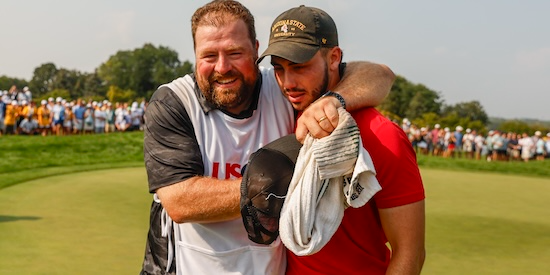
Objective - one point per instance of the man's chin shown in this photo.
(298, 106)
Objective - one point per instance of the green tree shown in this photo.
(141, 70)
(472, 110)
(6, 83)
(516, 126)
(427, 119)
(116, 94)
(410, 100)
(43, 79)
(91, 85)
(185, 68)
(63, 93)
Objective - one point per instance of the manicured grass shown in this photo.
(96, 223)
(83, 223)
(485, 223)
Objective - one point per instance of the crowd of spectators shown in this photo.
(468, 143)
(21, 115)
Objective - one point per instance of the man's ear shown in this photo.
(335, 58)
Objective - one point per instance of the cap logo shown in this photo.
(288, 28)
(324, 40)
(284, 28)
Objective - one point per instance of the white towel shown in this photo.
(331, 174)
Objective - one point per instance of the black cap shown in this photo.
(297, 34)
(264, 185)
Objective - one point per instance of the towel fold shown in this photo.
(331, 174)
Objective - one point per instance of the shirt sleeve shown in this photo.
(171, 150)
(394, 160)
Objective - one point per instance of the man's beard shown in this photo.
(315, 93)
(226, 98)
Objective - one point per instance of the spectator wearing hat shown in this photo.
(436, 146)
(58, 117)
(23, 110)
(51, 103)
(514, 150)
(135, 115)
(78, 121)
(99, 119)
(110, 118)
(540, 151)
(480, 147)
(458, 135)
(29, 126)
(88, 126)
(449, 143)
(468, 144)
(489, 144)
(28, 94)
(69, 119)
(10, 118)
(498, 145)
(44, 118)
(527, 147)
(122, 117)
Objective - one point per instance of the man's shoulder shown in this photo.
(371, 116)
(374, 125)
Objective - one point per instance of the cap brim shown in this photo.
(287, 145)
(294, 52)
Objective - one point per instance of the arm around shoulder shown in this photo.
(365, 84)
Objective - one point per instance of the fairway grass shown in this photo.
(486, 223)
(96, 223)
(82, 223)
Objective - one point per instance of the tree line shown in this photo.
(126, 76)
(130, 75)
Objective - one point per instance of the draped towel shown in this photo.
(331, 174)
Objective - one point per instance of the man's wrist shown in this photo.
(337, 96)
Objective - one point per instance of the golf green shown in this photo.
(96, 223)
(83, 223)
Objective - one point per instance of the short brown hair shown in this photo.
(220, 12)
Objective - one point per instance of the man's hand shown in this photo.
(319, 119)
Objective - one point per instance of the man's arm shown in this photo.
(404, 227)
(202, 199)
(175, 166)
(363, 84)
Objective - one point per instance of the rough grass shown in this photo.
(24, 158)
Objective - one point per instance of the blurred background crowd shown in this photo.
(21, 115)
(496, 145)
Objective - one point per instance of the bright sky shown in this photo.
(494, 51)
